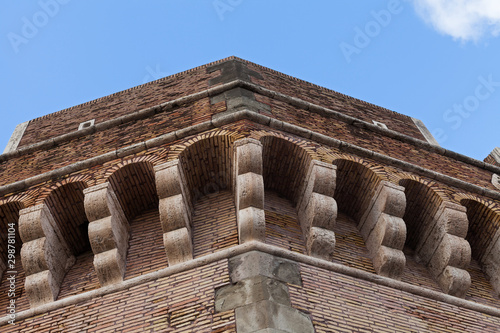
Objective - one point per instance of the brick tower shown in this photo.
(233, 198)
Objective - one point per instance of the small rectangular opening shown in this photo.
(379, 124)
(86, 124)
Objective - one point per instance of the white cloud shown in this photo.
(461, 19)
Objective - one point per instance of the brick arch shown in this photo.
(207, 163)
(285, 165)
(46, 191)
(66, 203)
(133, 182)
(26, 199)
(357, 182)
(148, 159)
(178, 149)
(315, 150)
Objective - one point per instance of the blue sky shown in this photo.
(436, 60)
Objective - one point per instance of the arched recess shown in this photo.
(436, 232)
(285, 165)
(484, 238)
(135, 188)
(66, 205)
(207, 167)
(11, 242)
(53, 234)
(370, 212)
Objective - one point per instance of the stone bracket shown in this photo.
(384, 231)
(444, 250)
(495, 180)
(317, 209)
(108, 233)
(175, 212)
(45, 256)
(249, 190)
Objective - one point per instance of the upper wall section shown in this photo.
(199, 79)
(335, 101)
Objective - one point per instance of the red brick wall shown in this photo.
(214, 223)
(146, 252)
(171, 304)
(339, 303)
(282, 224)
(119, 104)
(195, 80)
(335, 101)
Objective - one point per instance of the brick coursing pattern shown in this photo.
(173, 304)
(340, 304)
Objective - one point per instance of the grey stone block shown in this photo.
(256, 263)
(252, 290)
(270, 315)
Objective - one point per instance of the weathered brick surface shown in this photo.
(282, 225)
(81, 277)
(333, 100)
(104, 141)
(381, 144)
(118, 104)
(480, 290)
(146, 252)
(341, 304)
(172, 304)
(214, 223)
(350, 247)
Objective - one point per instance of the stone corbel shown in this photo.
(45, 256)
(249, 190)
(317, 209)
(108, 233)
(490, 262)
(384, 231)
(444, 250)
(175, 212)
